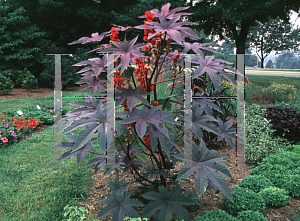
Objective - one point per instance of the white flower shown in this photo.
(20, 112)
(176, 119)
(38, 107)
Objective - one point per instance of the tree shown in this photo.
(17, 41)
(273, 35)
(232, 19)
(287, 60)
(269, 64)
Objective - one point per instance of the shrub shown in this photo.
(281, 92)
(6, 84)
(256, 94)
(30, 82)
(250, 215)
(255, 182)
(282, 120)
(259, 142)
(244, 199)
(274, 196)
(217, 215)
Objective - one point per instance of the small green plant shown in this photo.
(274, 196)
(255, 182)
(75, 213)
(6, 84)
(244, 199)
(250, 215)
(217, 215)
(136, 219)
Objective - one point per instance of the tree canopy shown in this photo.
(17, 41)
(274, 35)
(232, 19)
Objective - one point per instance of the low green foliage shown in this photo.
(6, 84)
(250, 215)
(244, 199)
(274, 196)
(259, 142)
(255, 182)
(217, 215)
(289, 182)
(269, 171)
(288, 159)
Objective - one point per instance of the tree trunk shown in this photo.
(262, 63)
(261, 53)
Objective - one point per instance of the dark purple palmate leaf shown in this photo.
(79, 112)
(151, 116)
(156, 135)
(117, 187)
(165, 13)
(228, 133)
(200, 121)
(127, 51)
(80, 153)
(212, 67)
(174, 30)
(130, 94)
(196, 46)
(207, 104)
(97, 65)
(120, 205)
(167, 203)
(94, 38)
(204, 163)
(91, 83)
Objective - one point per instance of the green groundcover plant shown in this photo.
(141, 132)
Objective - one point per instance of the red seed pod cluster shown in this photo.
(114, 33)
(149, 17)
(142, 70)
(146, 140)
(119, 79)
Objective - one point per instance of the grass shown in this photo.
(266, 81)
(30, 190)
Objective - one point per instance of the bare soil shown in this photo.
(209, 201)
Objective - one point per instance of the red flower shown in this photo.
(155, 103)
